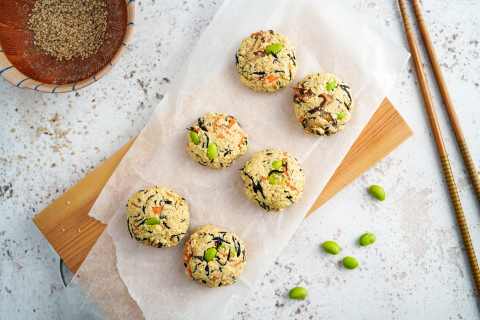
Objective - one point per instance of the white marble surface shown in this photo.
(417, 269)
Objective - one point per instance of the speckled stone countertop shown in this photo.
(417, 269)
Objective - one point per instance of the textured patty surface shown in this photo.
(222, 130)
(261, 69)
(323, 104)
(225, 267)
(157, 216)
(283, 170)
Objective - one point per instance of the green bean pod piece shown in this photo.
(152, 221)
(366, 239)
(341, 115)
(297, 293)
(274, 48)
(277, 164)
(194, 137)
(350, 263)
(377, 192)
(331, 247)
(212, 151)
(210, 254)
(331, 85)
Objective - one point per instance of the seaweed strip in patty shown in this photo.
(257, 186)
(208, 139)
(142, 222)
(166, 225)
(344, 88)
(218, 260)
(129, 230)
(236, 57)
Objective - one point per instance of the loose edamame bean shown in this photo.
(366, 239)
(274, 48)
(341, 115)
(276, 178)
(194, 137)
(210, 254)
(212, 151)
(377, 192)
(331, 247)
(331, 85)
(350, 263)
(297, 293)
(277, 164)
(152, 221)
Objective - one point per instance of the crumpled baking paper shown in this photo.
(329, 37)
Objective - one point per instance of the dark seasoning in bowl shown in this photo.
(67, 29)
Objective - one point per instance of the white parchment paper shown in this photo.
(329, 37)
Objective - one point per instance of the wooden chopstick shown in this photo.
(447, 100)
(442, 152)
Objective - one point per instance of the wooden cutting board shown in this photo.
(72, 232)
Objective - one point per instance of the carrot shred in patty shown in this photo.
(264, 178)
(215, 124)
(271, 78)
(157, 210)
(133, 204)
(231, 123)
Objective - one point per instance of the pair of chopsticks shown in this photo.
(432, 117)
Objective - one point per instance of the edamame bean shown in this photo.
(366, 239)
(350, 263)
(341, 115)
(297, 293)
(377, 192)
(246, 145)
(210, 254)
(233, 250)
(331, 247)
(152, 221)
(331, 85)
(276, 178)
(212, 151)
(274, 48)
(194, 137)
(277, 164)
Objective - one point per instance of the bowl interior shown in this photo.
(16, 41)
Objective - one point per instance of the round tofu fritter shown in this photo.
(157, 217)
(216, 140)
(323, 104)
(273, 179)
(266, 61)
(215, 257)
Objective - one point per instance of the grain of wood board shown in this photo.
(72, 232)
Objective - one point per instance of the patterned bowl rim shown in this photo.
(15, 77)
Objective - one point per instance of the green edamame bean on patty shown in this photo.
(274, 48)
(194, 137)
(277, 164)
(210, 254)
(331, 247)
(212, 151)
(297, 293)
(366, 239)
(350, 263)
